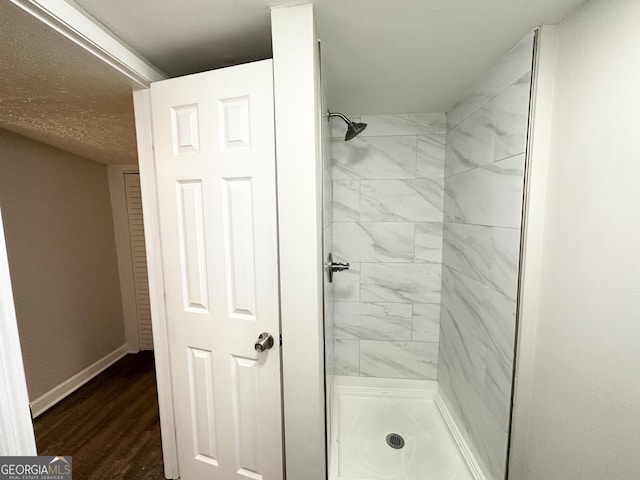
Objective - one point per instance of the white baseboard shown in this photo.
(53, 396)
(468, 455)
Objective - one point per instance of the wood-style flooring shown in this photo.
(110, 425)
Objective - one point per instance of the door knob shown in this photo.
(264, 342)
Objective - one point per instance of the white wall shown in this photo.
(59, 232)
(584, 418)
(299, 177)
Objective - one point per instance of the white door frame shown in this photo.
(16, 429)
(76, 24)
(148, 186)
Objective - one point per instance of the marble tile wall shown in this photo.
(388, 197)
(483, 191)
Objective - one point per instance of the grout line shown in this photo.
(415, 170)
(445, 222)
(484, 165)
(413, 317)
(359, 356)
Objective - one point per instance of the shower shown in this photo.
(420, 329)
(353, 128)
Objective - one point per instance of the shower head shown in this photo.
(353, 128)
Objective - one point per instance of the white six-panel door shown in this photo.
(214, 151)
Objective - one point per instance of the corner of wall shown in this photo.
(299, 169)
(532, 241)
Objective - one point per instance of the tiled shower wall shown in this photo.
(484, 181)
(387, 223)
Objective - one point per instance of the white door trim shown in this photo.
(16, 429)
(79, 27)
(146, 165)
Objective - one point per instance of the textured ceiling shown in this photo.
(54, 92)
(380, 56)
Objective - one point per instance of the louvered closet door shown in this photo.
(139, 259)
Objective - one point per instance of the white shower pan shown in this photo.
(366, 410)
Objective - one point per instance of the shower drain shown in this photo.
(395, 441)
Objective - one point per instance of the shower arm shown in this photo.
(346, 120)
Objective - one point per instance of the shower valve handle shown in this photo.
(331, 267)
(339, 266)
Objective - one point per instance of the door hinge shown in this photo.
(280, 336)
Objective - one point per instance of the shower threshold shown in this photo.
(368, 414)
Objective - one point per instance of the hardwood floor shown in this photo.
(110, 425)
